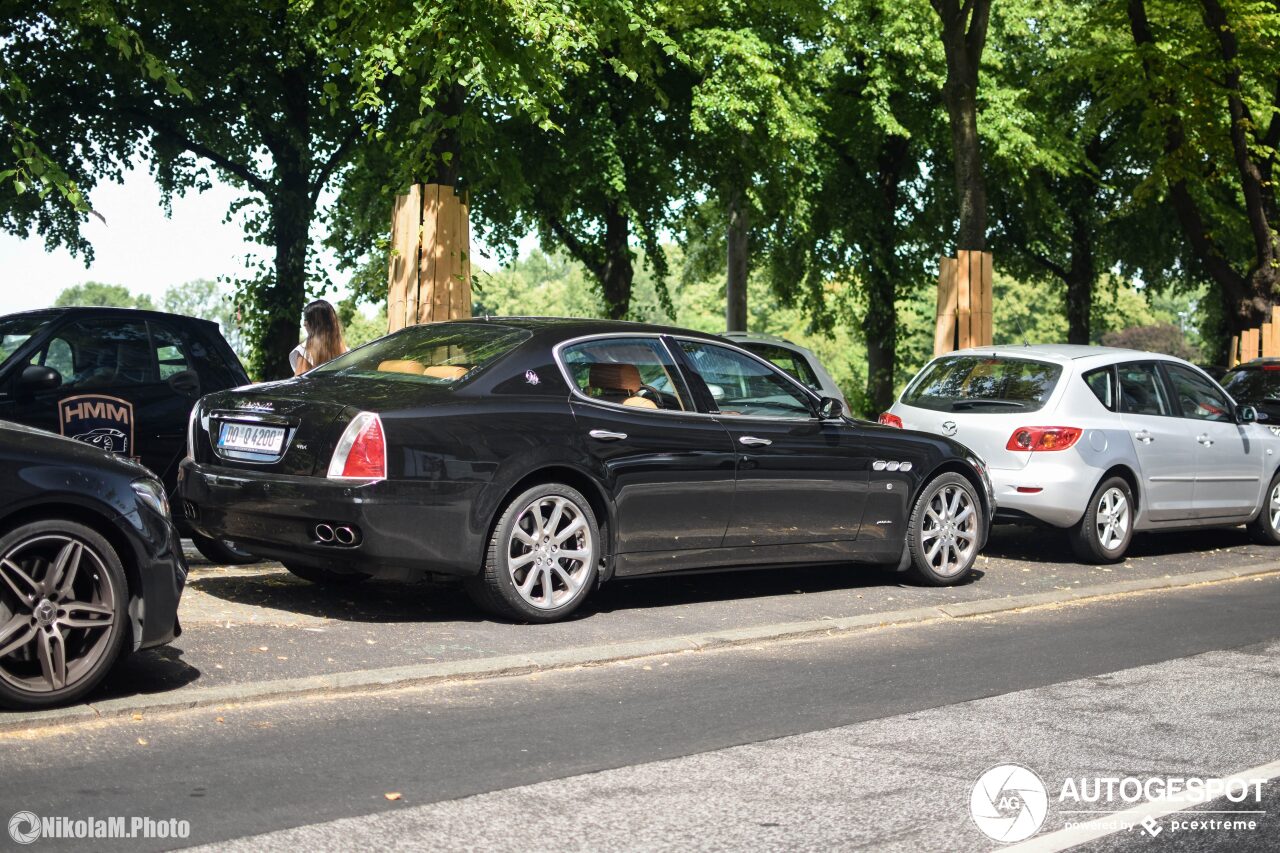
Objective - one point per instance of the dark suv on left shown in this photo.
(120, 379)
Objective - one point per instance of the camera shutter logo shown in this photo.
(24, 827)
(1009, 803)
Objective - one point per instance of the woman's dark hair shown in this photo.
(324, 333)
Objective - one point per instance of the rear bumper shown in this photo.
(403, 529)
(1064, 483)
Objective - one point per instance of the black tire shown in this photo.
(1087, 538)
(222, 552)
(1262, 529)
(94, 578)
(325, 577)
(938, 555)
(571, 578)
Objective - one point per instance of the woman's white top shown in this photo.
(296, 355)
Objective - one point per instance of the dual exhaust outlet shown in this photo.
(342, 535)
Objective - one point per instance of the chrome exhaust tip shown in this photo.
(324, 533)
(345, 535)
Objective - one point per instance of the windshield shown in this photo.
(16, 331)
(786, 359)
(433, 354)
(1254, 384)
(972, 383)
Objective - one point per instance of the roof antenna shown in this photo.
(1021, 331)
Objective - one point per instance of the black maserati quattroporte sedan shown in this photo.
(537, 458)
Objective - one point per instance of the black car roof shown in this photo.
(103, 311)
(572, 327)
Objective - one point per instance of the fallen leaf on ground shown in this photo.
(392, 795)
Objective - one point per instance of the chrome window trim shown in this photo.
(574, 391)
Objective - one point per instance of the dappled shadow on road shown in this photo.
(1030, 543)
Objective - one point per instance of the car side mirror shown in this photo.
(829, 408)
(37, 378)
(1247, 415)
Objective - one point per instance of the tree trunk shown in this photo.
(291, 213)
(735, 285)
(880, 330)
(617, 272)
(964, 33)
(1080, 279)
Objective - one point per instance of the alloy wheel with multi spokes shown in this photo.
(946, 530)
(543, 555)
(61, 612)
(1111, 519)
(1265, 527)
(1104, 533)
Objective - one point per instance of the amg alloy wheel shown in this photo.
(946, 529)
(62, 613)
(543, 556)
(1106, 530)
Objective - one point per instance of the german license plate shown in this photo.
(251, 438)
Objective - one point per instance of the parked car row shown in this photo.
(536, 459)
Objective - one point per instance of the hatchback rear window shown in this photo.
(1254, 384)
(433, 354)
(971, 383)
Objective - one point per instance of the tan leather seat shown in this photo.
(451, 372)
(617, 383)
(401, 365)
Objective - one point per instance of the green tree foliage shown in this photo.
(99, 295)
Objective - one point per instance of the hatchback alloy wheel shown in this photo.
(1104, 533)
(59, 615)
(1112, 519)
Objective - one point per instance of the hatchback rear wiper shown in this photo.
(974, 402)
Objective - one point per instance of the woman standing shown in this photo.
(324, 338)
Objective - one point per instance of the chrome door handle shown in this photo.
(1144, 436)
(1204, 439)
(606, 435)
(752, 441)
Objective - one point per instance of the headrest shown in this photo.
(401, 365)
(445, 371)
(621, 377)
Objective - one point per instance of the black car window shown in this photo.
(1254, 384)
(432, 354)
(628, 371)
(1197, 397)
(1141, 392)
(170, 351)
(100, 353)
(16, 331)
(740, 385)
(1102, 382)
(983, 383)
(786, 359)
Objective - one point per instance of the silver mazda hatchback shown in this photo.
(1102, 441)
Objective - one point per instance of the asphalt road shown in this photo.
(872, 739)
(258, 622)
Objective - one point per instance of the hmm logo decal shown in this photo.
(105, 422)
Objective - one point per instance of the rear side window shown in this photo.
(627, 371)
(100, 353)
(971, 383)
(1102, 382)
(171, 355)
(1254, 384)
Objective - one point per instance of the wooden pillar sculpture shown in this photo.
(429, 277)
(964, 315)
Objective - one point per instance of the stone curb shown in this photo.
(494, 667)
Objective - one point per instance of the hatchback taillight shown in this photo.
(890, 420)
(361, 453)
(1043, 438)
